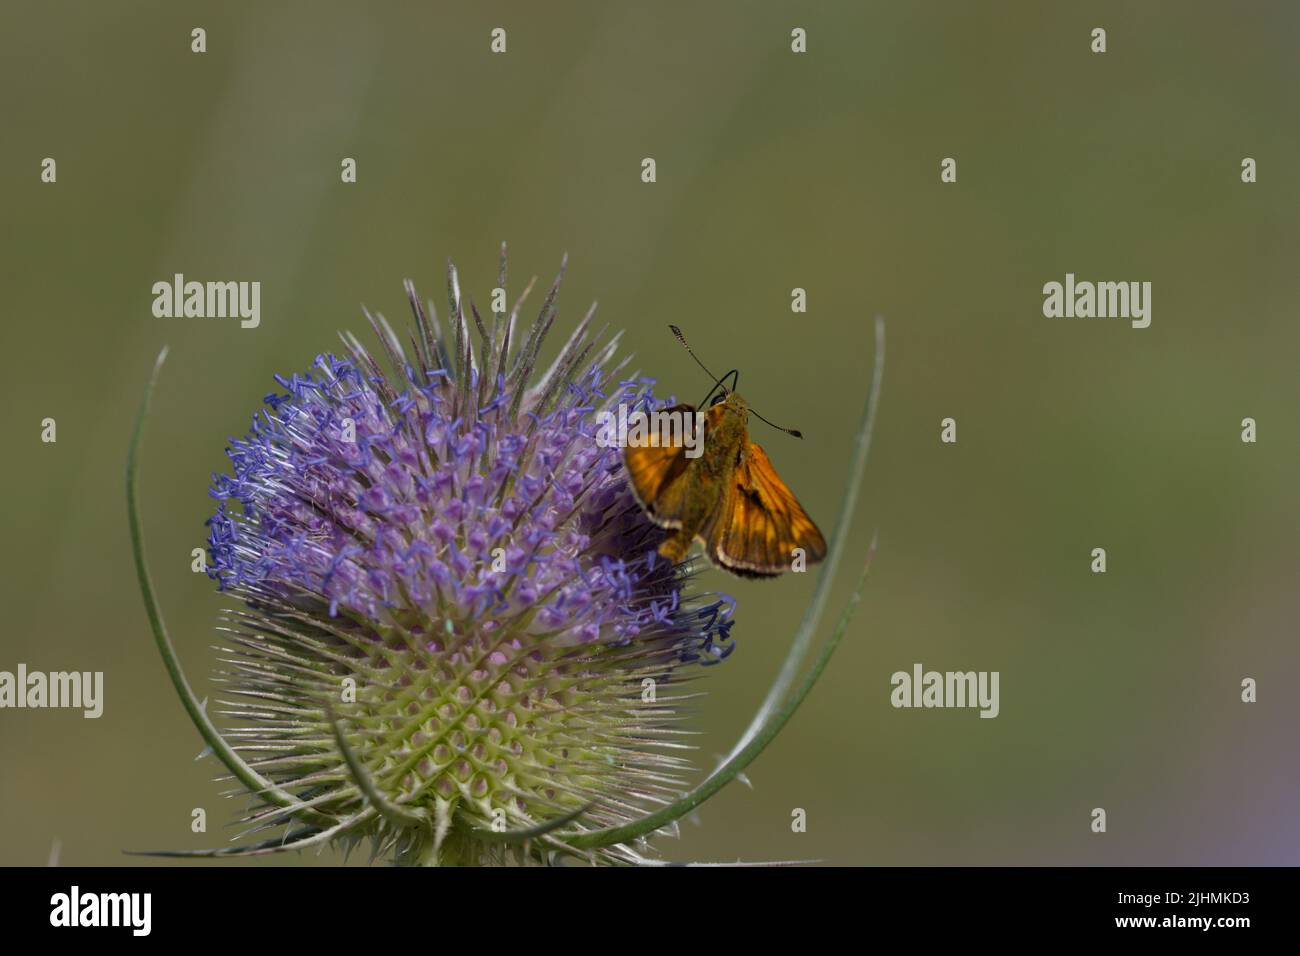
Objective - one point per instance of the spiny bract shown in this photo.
(454, 622)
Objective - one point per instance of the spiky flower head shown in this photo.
(453, 631)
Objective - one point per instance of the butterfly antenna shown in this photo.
(717, 383)
(681, 338)
(789, 431)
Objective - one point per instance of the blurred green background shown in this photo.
(775, 171)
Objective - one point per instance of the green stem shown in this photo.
(778, 706)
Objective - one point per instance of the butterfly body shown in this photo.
(709, 476)
(729, 499)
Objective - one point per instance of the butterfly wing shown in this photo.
(762, 523)
(657, 474)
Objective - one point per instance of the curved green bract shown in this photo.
(777, 719)
(401, 817)
(245, 774)
(778, 706)
(531, 833)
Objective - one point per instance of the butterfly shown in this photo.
(728, 497)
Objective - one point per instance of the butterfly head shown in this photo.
(732, 403)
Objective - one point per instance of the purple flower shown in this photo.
(453, 619)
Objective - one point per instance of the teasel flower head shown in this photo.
(452, 622)
(451, 637)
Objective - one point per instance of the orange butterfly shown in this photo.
(729, 498)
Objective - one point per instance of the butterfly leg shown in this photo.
(675, 546)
